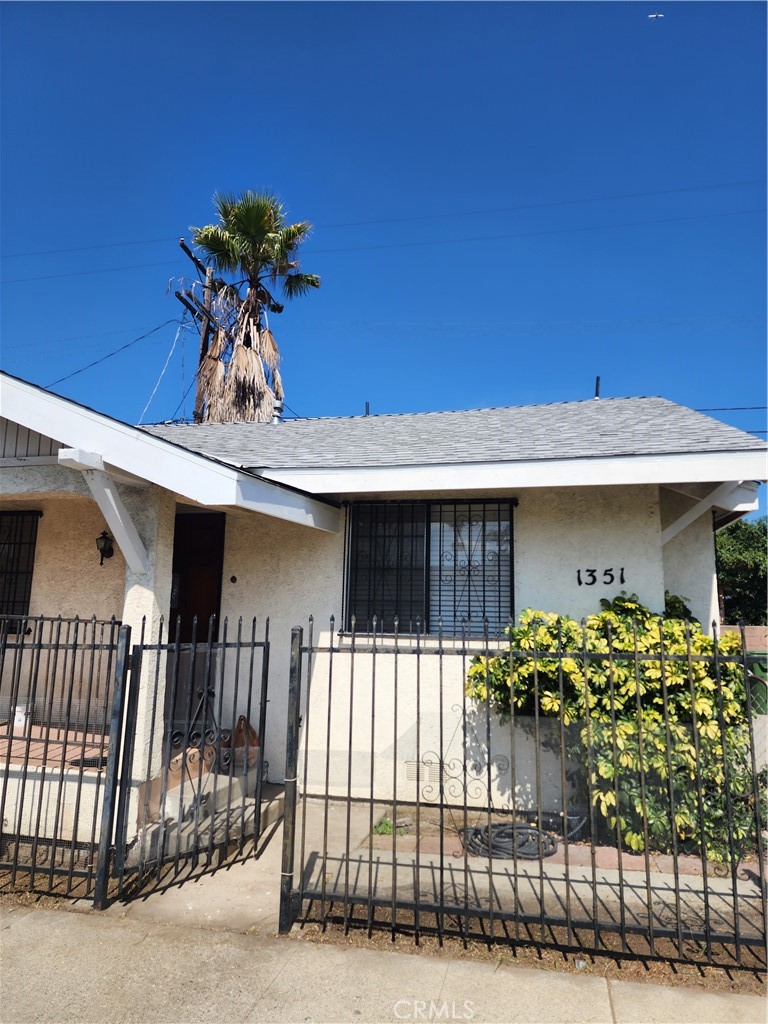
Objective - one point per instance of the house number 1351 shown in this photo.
(589, 577)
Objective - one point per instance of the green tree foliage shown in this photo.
(253, 244)
(741, 551)
(658, 781)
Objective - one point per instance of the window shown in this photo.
(18, 534)
(430, 563)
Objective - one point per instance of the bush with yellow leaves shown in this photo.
(665, 782)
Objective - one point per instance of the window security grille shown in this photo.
(430, 562)
(18, 535)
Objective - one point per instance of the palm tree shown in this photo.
(240, 374)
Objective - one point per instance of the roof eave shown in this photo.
(697, 467)
(132, 450)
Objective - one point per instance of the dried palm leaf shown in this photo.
(269, 350)
(277, 384)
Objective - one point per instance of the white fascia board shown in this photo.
(702, 467)
(133, 451)
(262, 496)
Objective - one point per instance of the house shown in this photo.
(443, 519)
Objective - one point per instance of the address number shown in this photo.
(589, 577)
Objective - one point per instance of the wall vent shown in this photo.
(417, 771)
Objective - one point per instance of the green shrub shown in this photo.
(694, 760)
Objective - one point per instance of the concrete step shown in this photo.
(201, 830)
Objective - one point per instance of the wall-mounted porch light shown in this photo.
(104, 546)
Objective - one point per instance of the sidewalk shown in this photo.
(64, 967)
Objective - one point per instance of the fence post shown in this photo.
(110, 781)
(126, 768)
(291, 769)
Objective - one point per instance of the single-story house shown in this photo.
(443, 519)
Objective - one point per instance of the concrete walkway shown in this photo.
(61, 967)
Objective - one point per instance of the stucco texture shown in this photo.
(689, 558)
(560, 531)
(288, 573)
(67, 578)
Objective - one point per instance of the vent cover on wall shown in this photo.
(418, 771)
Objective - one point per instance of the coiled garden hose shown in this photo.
(507, 840)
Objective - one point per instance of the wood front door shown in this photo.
(198, 562)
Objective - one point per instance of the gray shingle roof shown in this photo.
(604, 428)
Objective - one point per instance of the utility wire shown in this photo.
(533, 234)
(181, 328)
(734, 408)
(542, 206)
(424, 217)
(411, 245)
(115, 352)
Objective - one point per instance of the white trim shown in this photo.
(718, 495)
(138, 453)
(118, 520)
(703, 467)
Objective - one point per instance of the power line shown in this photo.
(70, 337)
(87, 273)
(423, 217)
(87, 248)
(410, 245)
(115, 352)
(734, 408)
(534, 234)
(544, 206)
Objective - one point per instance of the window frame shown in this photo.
(16, 592)
(506, 505)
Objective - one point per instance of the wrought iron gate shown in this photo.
(126, 764)
(193, 773)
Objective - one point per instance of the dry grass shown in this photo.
(612, 963)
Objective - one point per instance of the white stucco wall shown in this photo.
(560, 531)
(68, 581)
(67, 578)
(689, 559)
(289, 572)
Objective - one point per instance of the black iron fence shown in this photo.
(587, 786)
(60, 682)
(126, 764)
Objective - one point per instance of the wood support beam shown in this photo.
(106, 496)
(715, 497)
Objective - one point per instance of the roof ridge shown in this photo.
(430, 412)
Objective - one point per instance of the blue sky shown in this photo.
(508, 198)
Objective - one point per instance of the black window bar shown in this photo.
(18, 537)
(429, 564)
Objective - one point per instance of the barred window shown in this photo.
(18, 535)
(430, 564)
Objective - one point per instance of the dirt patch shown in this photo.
(613, 963)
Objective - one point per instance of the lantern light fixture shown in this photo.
(104, 546)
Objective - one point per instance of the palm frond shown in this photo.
(220, 246)
(283, 244)
(299, 284)
(255, 218)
